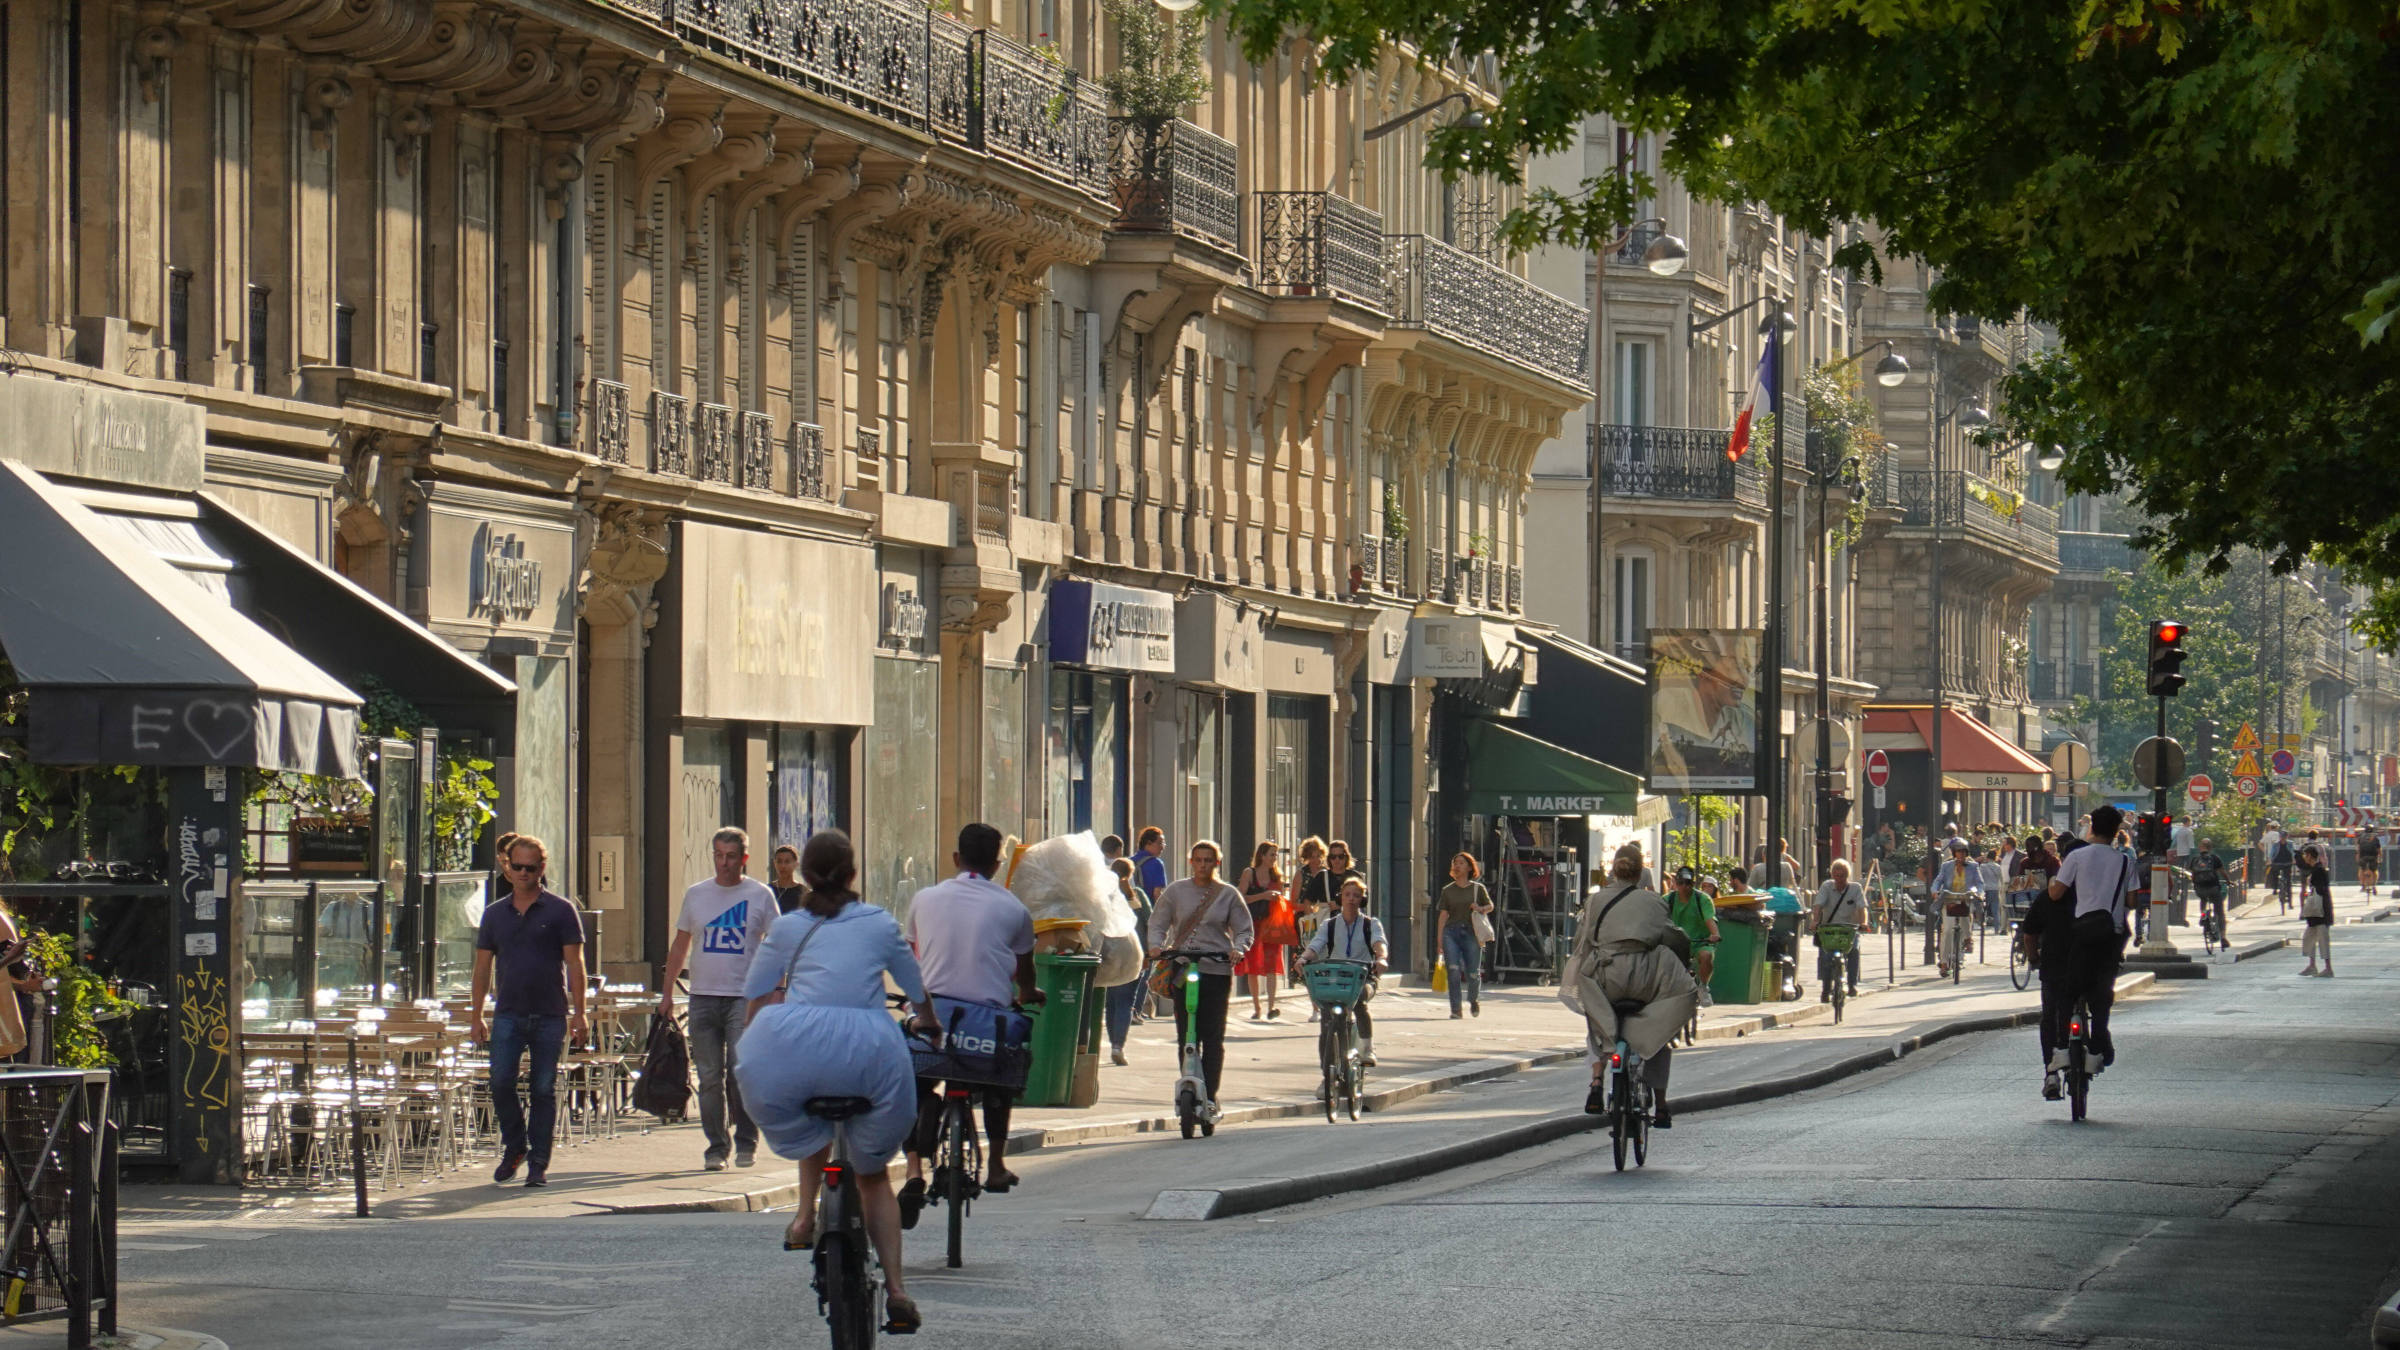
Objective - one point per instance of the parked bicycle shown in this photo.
(1336, 986)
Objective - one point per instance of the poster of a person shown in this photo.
(1704, 701)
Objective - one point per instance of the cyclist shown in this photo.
(1953, 888)
(1696, 914)
(818, 1028)
(2048, 933)
(1625, 953)
(2208, 882)
(1839, 902)
(1203, 916)
(2280, 856)
(2370, 858)
(974, 941)
(2101, 880)
(1353, 935)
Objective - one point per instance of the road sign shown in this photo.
(2289, 740)
(1879, 772)
(2246, 785)
(1879, 798)
(2308, 768)
(2246, 738)
(2281, 763)
(2157, 762)
(2247, 765)
(2200, 789)
(2072, 760)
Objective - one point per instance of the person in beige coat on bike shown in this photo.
(1625, 952)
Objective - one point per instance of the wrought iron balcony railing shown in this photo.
(1315, 243)
(1176, 179)
(1482, 305)
(2044, 682)
(2081, 551)
(908, 64)
(1678, 463)
(1973, 505)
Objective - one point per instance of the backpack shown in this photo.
(665, 1086)
(2282, 856)
(2205, 870)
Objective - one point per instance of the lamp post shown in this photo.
(1967, 412)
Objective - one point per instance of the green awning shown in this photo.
(1512, 774)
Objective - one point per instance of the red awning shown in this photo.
(1974, 757)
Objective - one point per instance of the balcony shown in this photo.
(2083, 553)
(2042, 679)
(1176, 179)
(1674, 464)
(905, 63)
(1382, 565)
(1973, 507)
(1315, 243)
(1479, 304)
(712, 443)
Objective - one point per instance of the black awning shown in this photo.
(344, 628)
(1589, 702)
(128, 661)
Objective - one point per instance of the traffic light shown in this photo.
(1836, 809)
(2166, 657)
(2204, 746)
(2153, 833)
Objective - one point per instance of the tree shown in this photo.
(2196, 194)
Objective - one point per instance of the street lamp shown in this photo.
(1692, 332)
(1890, 372)
(1473, 119)
(2050, 458)
(1968, 411)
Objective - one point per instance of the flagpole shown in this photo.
(1771, 742)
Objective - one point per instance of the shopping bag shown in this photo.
(1441, 977)
(1483, 927)
(1281, 927)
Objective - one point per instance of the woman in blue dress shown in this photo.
(818, 1028)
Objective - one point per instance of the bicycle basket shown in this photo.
(1836, 937)
(1335, 981)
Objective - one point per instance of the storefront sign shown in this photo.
(1112, 627)
(332, 848)
(903, 616)
(106, 435)
(505, 584)
(776, 628)
(1219, 642)
(1447, 649)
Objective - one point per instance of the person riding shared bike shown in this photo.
(1626, 953)
(1840, 903)
(1690, 909)
(2047, 931)
(1955, 888)
(2208, 882)
(1351, 934)
(2100, 880)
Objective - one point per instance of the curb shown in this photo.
(2384, 1328)
(2256, 949)
(160, 1338)
(1275, 1193)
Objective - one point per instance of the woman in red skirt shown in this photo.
(1261, 885)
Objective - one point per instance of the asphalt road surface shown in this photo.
(2238, 1185)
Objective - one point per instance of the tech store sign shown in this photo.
(1112, 627)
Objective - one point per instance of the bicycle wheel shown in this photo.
(2020, 970)
(849, 1298)
(1329, 1057)
(1620, 1116)
(1839, 997)
(1641, 1128)
(2079, 1084)
(959, 1174)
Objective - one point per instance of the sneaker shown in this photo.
(714, 1162)
(537, 1174)
(1116, 1055)
(2312, 969)
(1456, 1015)
(1595, 1102)
(1660, 1117)
(1366, 1054)
(509, 1163)
(1476, 1008)
(2050, 1088)
(746, 1157)
(912, 1201)
(1707, 999)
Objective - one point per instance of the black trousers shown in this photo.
(996, 1108)
(2058, 982)
(1215, 992)
(2092, 977)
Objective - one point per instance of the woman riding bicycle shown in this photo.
(1353, 935)
(819, 1028)
(1625, 953)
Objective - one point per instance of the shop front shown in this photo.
(1983, 777)
(1296, 759)
(771, 679)
(1101, 636)
(1220, 654)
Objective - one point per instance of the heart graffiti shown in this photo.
(218, 726)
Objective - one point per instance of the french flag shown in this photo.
(1763, 393)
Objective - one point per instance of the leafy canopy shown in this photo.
(2198, 195)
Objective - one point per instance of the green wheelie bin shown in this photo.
(1741, 972)
(1065, 1025)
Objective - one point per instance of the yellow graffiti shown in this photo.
(203, 1022)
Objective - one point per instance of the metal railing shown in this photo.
(1677, 463)
(1516, 590)
(1637, 242)
(1176, 178)
(1315, 243)
(2083, 680)
(1962, 501)
(908, 64)
(2081, 551)
(611, 421)
(1482, 305)
(58, 1198)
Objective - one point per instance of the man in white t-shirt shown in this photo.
(722, 922)
(2100, 879)
(974, 941)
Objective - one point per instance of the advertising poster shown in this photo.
(1704, 685)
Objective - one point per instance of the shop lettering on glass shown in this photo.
(1140, 626)
(503, 583)
(772, 635)
(903, 616)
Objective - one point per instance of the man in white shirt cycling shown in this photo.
(2100, 879)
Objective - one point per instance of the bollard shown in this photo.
(358, 1144)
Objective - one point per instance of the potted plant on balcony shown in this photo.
(1161, 70)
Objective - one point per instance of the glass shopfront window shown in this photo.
(903, 755)
(1200, 764)
(1295, 769)
(1004, 748)
(1087, 741)
(708, 789)
(538, 800)
(808, 785)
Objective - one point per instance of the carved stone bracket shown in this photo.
(872, 203)
(628, 555)
(979, 573)
(358, 511)
(152, 51)
(1310, 354)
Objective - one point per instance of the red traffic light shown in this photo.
(2169, 631)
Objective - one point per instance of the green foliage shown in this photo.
(1842, 421)
(464, 801)
(384, 713)
(310, 795)
(2192, 194)
(1161, 60)
(47, 810)
(1395, 515)
(83, 997)
(1695, 846)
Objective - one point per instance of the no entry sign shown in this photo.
(1879, 768)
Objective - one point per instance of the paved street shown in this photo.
(2238, 1185)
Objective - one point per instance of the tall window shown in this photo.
(1633, 384)
(890, 409)
(1630, 588)
(1024, 396)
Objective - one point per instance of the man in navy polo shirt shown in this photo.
(533, 942)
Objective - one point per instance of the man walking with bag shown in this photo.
(728, 914)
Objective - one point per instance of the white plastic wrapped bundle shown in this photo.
(1066, 878)
(1120, 962)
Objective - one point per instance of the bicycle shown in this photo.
(1834, 944)
(844, 1283)
(2212, 924)
(1336, 986)
(1195, 1111)
(2079, 1072)
(1628, 1094)
(1957, 910)
(958, 1169)
(2020, 961)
